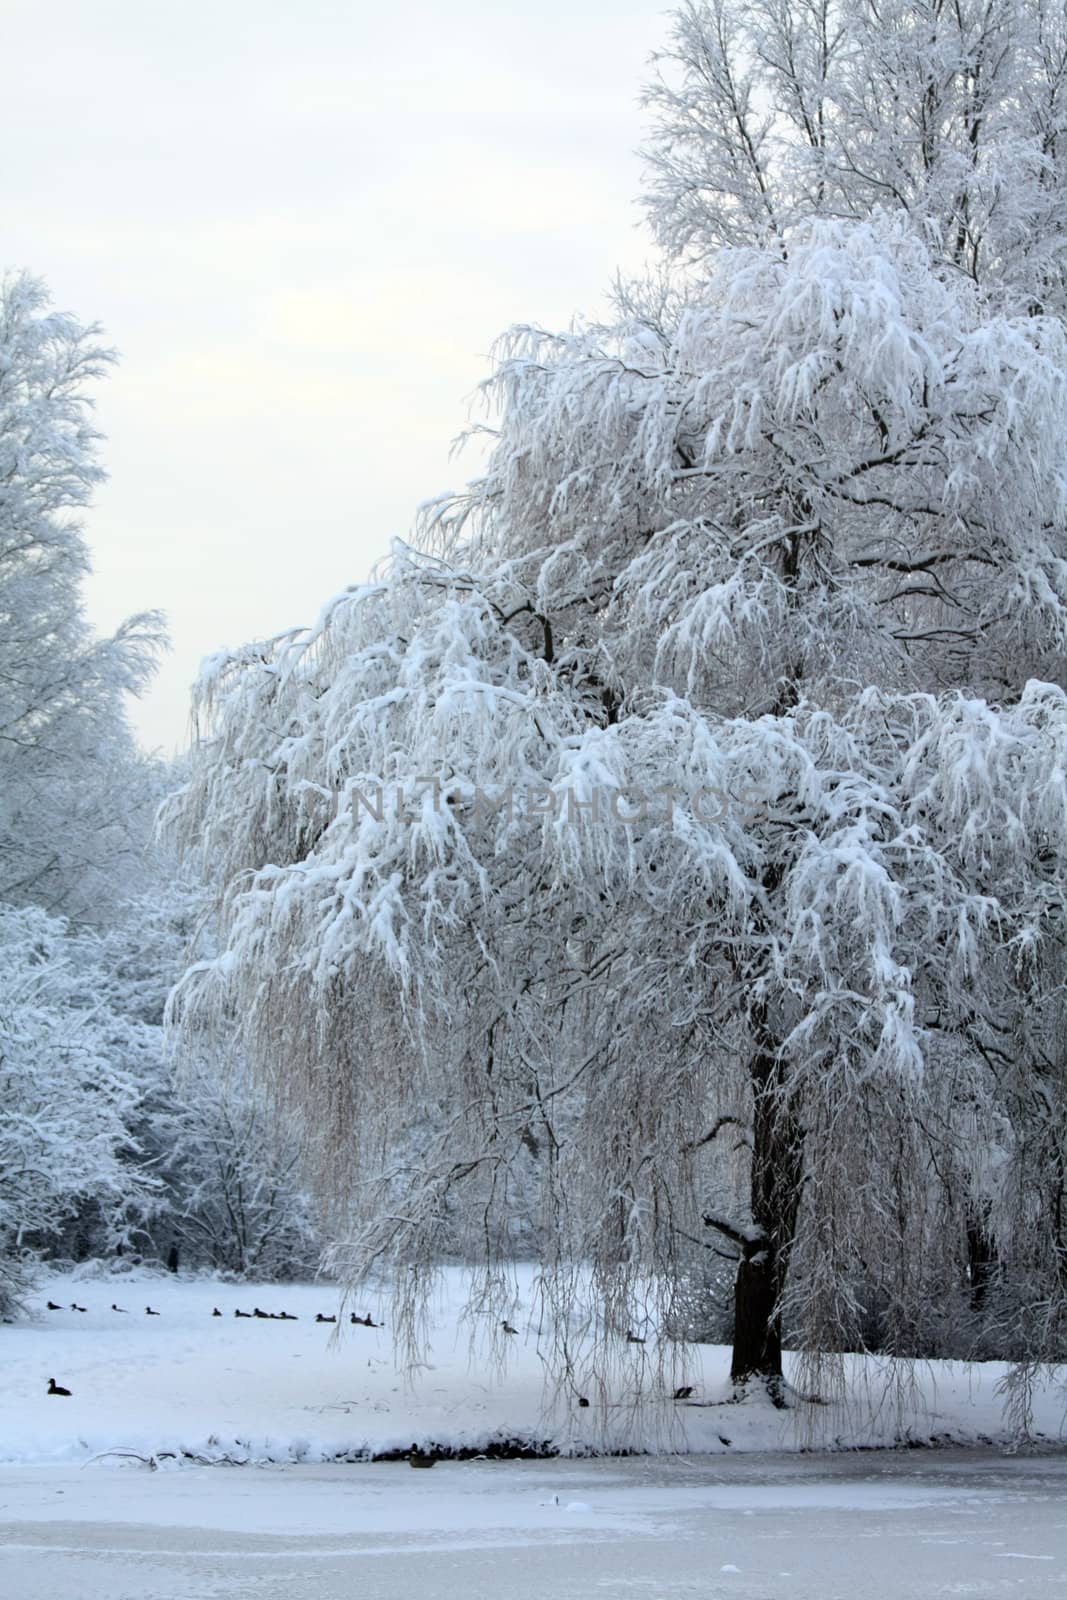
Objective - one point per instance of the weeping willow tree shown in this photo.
(670, 842)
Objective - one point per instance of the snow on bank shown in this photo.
(256, 1389)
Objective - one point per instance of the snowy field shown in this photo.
(80, 1518)
(272, 1391)
(260, 1390)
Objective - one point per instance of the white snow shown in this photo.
(301, 1391)
(755, 1519)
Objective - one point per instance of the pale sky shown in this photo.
(303, 225)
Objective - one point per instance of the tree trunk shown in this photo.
(777, 1161)
(981, 1260)
(757, 1351)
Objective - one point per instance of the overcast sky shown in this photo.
(303, 225)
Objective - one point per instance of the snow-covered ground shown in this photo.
(303, 1391)
(98, 1500)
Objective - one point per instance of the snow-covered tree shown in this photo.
(770, 113)
(774, 572)
(66, 1105)
(222, 1181)
(75, 806)
(234, 1197)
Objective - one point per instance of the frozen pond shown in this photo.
(887, 1525)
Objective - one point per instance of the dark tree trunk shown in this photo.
(981, 1260)
(757, 1349)
(777, 1139)
(777, 1161)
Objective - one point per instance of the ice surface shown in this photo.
(899, 1526)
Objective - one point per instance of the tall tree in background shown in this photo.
(954, 115)
(75, 800)
(75, 805)
(102, 1144)
(781, 554)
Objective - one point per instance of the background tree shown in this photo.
(955, 115)
(66, 1105)
(234, 1197)
(75, 804)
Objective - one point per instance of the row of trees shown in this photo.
(776, 562)
(104, 1146)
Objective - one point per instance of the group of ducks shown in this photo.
(289, 1316)
(74, 1306)
(265, 1316)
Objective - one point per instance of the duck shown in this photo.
(506, 1325)
(216, 1312)
(56, 1388)
(243, 1314)
(263, 1315)
(150, 1313)
(75, 1307)
(288, 1316)
(632, 1338)
(320, 1318)
(583, 1402)
(683, 1391)
(53, 1307)
(120, 1309)
(421, 1458)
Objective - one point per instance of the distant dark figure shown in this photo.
(120, 1309)
(172, 1258)
(216, 1312)
(421, 1458)
(583, 1402)
(57, 1388)
(320, 1318)
(684, 1392)
(506, 1325)
(150, 1313)
(243, 1314)
(74, 1307)
(53, 1307)
(632, 1338)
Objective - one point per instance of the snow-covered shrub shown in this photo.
(65, 1106)
(235, 1201)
